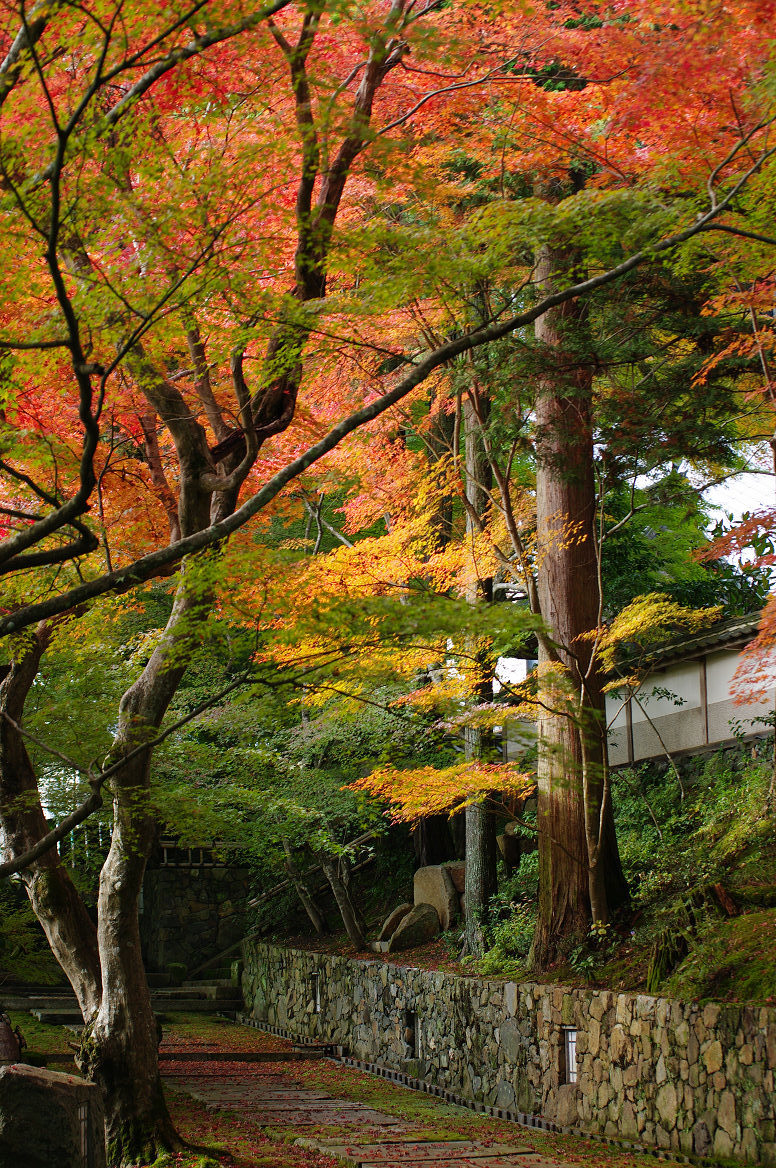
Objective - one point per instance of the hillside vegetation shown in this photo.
(699, 847)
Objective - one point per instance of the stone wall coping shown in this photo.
(646, 1004)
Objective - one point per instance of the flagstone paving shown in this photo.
(380, 1140)
(423, 1153)
(339, 1115)
(280, 1101)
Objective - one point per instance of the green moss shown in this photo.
(731, 960)
(42, 1038)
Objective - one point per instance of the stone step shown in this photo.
(24, 989)
(66, 1014)
(206, 982)
(398, 1153)
(213, 991)
(196, 1005)
(238, 1056)
(59, 1017)
(181, 993)
(40, 1002)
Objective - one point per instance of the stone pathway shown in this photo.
(279, 1101)
(422, 1154)
(380, 1140)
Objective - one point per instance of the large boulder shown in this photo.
(434, 885)
(393, 921)
(456, 870)
(49, 1120)
(419, 926)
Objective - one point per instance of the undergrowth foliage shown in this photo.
(682, 834)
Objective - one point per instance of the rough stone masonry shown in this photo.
(692, 1077)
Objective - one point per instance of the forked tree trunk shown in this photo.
(104, 966)
(580, 876)
(119, 1047)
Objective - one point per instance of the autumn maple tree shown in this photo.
(155, 206)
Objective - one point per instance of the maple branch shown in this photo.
(274, 407)
(155, 562)
(33, 27)
(495, 73)
(322, 522)
(248, 431)
(202, 382)
(385, 53)
(171, 60)
(35, 345)
(64, 514)
(158, 476)
(61, 555)
(296, 57)
(744, 234)
(731, 154)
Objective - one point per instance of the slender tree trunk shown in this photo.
(579, 868)
(439, 452)
(351, 917)
(481, 856)
(481, 851)
(303, 892)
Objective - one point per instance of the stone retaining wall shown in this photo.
(693, 1078)
(190, 914)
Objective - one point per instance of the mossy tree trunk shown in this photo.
(104, 965)
(119, 1048)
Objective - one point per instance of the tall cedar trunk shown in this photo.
(480, 880)
(572, 771)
